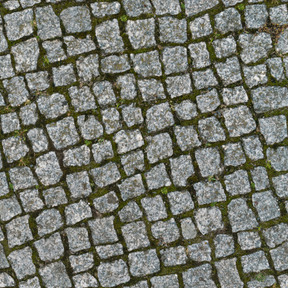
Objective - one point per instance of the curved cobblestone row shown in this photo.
(144, 143)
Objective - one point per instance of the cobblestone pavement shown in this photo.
(144, 143)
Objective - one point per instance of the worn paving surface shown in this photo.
(144, 143)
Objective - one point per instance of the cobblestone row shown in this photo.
(144, 143)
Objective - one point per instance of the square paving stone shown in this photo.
(10, 122)
(161, 7)
(274, 129)
(16, 88)
(224, 245)
(104, 93)
(209, 192)
(127, 86)
(165, 231)
(199, 277)
(81, 262)
(108, 36)
(10, 207)
(173, 256)
(141, 33)
(63, 75)
(38, 81)
(186, 137)
(151, 90)
(4, 189)
(88, 67)
(208, 101)
(22, 178)
(254, 262)
(199, 54)
(54, 196)
(239, 121)
(26, 55)
(199, 252)
(132, 187)
(102, 151)
(228, 274)
(103, 231)
(54, 50)
(63, 133)
(228, 21)
(135, 235)
(154, 208)
(254, 47)
(260, 178)
(18, 231)
(181, 169)
(19, 24)
(106, 203)
(133, 162)
(49, 221)
(147, 64)
(82, 98)
(193, 7)
(159, 147)
(55, 275)
(241, 217)
(14, 148)
(208, 160)
(81, 19)
(255, 16)
(128, 140)
(255, 75)
(178, 85)
(78, 239)
(249, 240)
(53, 105)
(132, 115)
(201, 27)
(229, 71)
(90, 127)
(135, 8)
(204, 79)
(130, 212)
(266, 205)
(208, 220)
(21, 262)
(172, 30)
(113, 273)
(115, 64)
(157, 177)
(143, 263)
(253, 147)
(108, 251)
(78, 156)
(186, 110)
(6, 69)
(48, 24)
(111, 120)
(278, 158)
(50, 248)
(38, 140)
(174, 59)
(233, 154)
(31, 201)
(225, 47)
(78, 184)
(28, 114)
(237, 183)
(159, 117)
(188, 228)
(102, 9)
(77, 212)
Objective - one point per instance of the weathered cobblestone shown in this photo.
(143, 143)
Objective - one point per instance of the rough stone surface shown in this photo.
(143, 143)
